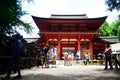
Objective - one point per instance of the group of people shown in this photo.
(49, 55)
(68, 58)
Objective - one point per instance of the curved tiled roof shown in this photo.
(68, 24)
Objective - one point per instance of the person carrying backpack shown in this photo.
(18, 51)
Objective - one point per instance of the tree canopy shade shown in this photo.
(10, 14)
(113, 4)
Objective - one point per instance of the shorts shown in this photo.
(54, 58)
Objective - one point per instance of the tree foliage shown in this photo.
(10, 14)
(118, 29)
(115, 28)
(104, 29)
(113, 4)
(112, 29)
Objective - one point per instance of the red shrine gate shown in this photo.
(70, 32)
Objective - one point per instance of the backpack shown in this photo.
(22, 51)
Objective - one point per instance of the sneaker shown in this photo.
(18, 77)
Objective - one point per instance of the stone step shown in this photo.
(61, 62)
(81, 62)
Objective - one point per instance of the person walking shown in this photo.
(77, 56)
(107, 53)
(18, 51)
(54, 56)
(44, 56)
(65, 54)
(117, 63)
(69, 59)
(87, 58)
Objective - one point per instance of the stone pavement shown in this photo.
(75, 72)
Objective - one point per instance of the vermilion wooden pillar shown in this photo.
(78, 42)
(47, 40)
(91, 50)
(59, 48)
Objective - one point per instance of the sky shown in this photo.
(44, 8)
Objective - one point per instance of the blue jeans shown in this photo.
(14, 62)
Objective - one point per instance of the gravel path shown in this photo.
(77, 72)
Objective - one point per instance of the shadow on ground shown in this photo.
(73, 76)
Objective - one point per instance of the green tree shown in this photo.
(112, 29)
(113, 4)
(118, 29)
(10, 14)
(104, 29)
(114, 26)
